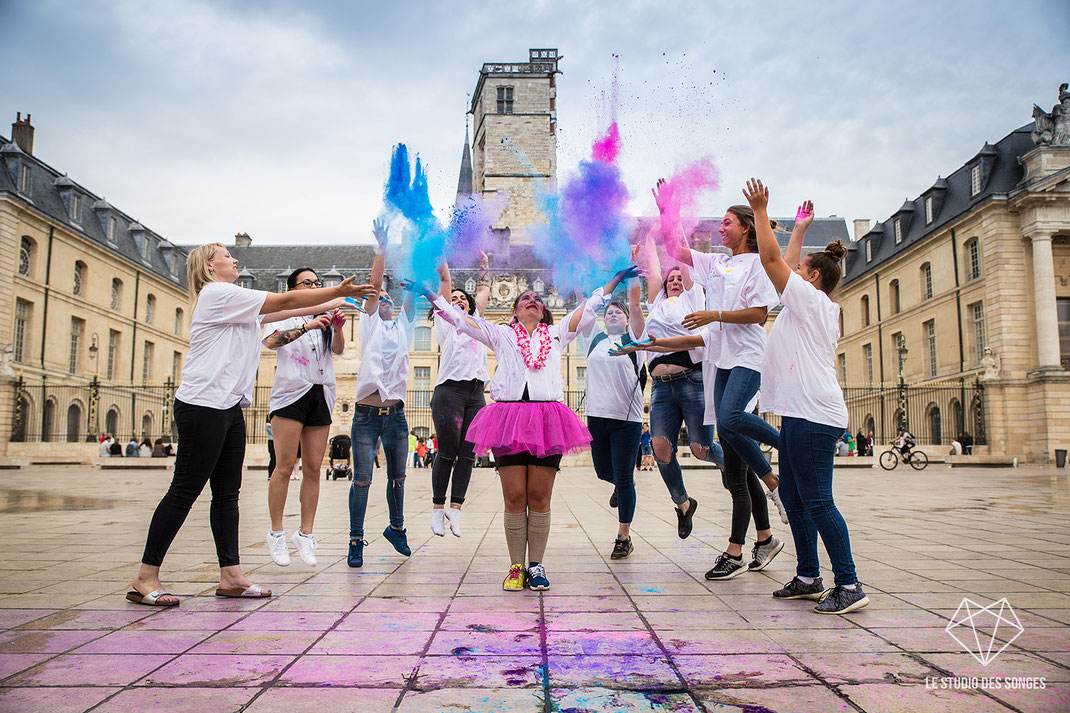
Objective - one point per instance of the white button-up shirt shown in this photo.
(611, 384)
(512, 374)
(463, 358)
(384, 356)
(301, 364)
(667, 314)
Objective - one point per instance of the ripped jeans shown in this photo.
(369, 425)
(672, 404)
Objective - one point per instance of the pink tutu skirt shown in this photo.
(542, 428)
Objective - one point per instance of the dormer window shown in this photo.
(76, 208)
(538, 285)
(928, 210)
(113, 229)
(975, 180)
(470, 286)
(24, 178)
(869, 250)
(145, 249)
(898, 232)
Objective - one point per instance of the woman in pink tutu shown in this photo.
(528, 428)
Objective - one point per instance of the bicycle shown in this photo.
(889, 460)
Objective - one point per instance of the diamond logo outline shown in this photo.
(1001, 610)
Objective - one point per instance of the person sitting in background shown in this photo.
(967, 443)
(956, 448)
(131, 448)
(158, 450)
(862, 443)
(105, 445)
(145, 449)
(114, 448)
(851, 445)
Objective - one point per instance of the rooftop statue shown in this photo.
(1053, 129)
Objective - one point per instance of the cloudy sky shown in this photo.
(204, 118)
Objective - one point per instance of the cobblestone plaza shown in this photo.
(435, 632)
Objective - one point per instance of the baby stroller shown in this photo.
(341, 450)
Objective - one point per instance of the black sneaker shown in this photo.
(842, 600)
(762, 555)
(613, 499)
(795, 589)
(622, 548)
(684, 521)
(726, 567)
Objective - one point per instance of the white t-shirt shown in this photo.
(513, 374)
(735, 282)
(611, 384)
(384, 357)
(666, 317)
(301, 364)
(463, 358)
(798, 376)
(224, 347)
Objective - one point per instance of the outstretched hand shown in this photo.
(804, 215)
(700, 319)
(347, 289)
(628, 273)
(756, 194)
(379, 231)
(357, 304)
(627, 345)
(661, 197)
(418, 288)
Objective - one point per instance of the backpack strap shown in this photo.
(640, 373)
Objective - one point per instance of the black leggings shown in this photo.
(748, 496)
(453, 406)
(211, 449)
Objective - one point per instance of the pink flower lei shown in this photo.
(524, 341)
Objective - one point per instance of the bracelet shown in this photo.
(304, 327)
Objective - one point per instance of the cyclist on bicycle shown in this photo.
(904, 441)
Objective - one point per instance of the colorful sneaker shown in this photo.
(438, 521)
(622, 548)
(774, 495)
(514, 581)
(306, 547)
(726, 567)
(796, 589)
(842, 600)
(454, 516)
(537, 580)
(276, 545)
(684, 522)
(762, 555)
(398, 539)
(356, 553)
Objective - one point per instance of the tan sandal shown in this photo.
(152, 599)
(253, 591)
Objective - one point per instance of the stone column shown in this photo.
(1044, 297)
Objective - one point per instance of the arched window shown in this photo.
(48, 420)
(935, 425)
(179, 315)
(422, 340)
(150, 308)
(470, 285)
(111, 420)
(957, 422)
(926, 281)
(116, 292)
(26, 250)
(865, 310)
(973, 259)
(146, 425)
(74, 423)
(870, 425)
(79, 278)
(893, 288)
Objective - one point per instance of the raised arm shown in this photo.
(471, 324)
(804, 216)
(483, 284)
(652, 265)
(672, 233)
(445, 281)
(768, 247)
(636, 319)
(378, 264)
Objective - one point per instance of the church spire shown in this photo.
(464, 179)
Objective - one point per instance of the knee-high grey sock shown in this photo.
(538, 534)
(516, 536)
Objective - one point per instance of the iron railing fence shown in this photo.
(50, 411)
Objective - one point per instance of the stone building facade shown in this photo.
(970, 282)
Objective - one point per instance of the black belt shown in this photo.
(676, 375)
(379, 410)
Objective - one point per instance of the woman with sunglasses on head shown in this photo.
(299, 412)
(217, 382)
(528, 428)
(676, 392)
(458, 397)
(614, 403)
(379, 413)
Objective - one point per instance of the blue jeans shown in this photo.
(368, 428)
(614, 449)
(806, 451)
(671, 404)
(732, 391)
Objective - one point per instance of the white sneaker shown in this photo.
(454, 516)
(438, 521)
(306, 547)
(774, 495)
(277, 549)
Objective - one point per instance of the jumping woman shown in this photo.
(799, 384)
(299, 412)
(217, 382)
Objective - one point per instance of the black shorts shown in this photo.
(526, 458)
(311, 409)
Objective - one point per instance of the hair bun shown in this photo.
(836, 249)
(772, 224)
